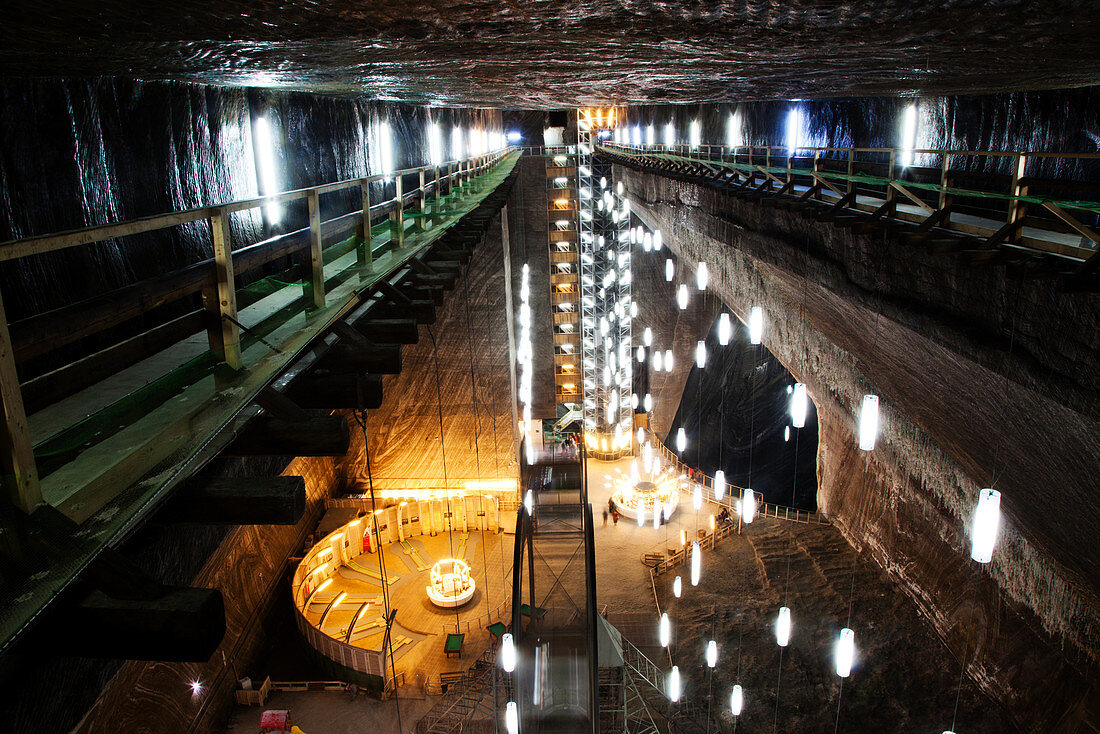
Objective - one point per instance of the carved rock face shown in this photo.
(550, 55)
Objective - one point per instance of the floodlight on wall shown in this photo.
(798, 405)
(783, 627)
(868, 422)
(650, 135)
(435, 143)
(265, 159)
(985, 526)
(756, 325)
(725, 329)
(845, 652)
(695, 134)
(382, 158)
(734, 135)
(670, 135)
(908, 134)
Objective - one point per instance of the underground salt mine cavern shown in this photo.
(550, 368)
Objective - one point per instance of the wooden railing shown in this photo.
(1010, 201)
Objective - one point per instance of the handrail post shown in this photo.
(316, 284)
(364, 254)
(222, 332)
(817, 169)
(438, 188)
(943, 183)
(16, 452)
(851, 170)
(422, 223)
(397, 214)
(891, 192)
(1015, 207)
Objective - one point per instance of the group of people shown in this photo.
(611, 510)
(569, 447)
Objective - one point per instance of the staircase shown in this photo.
(646, 686)
(468, 695)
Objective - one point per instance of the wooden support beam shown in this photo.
(279, 405)
(315, 286)
(347, 357)
(912, 197)
(389, 331)
(237, 501)
(269, 436)
(364, 255)
(17, 466)
(935, 219)
(386, 289)
(335, 391)
(422, 311)
(1086, 232)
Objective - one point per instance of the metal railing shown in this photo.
(996, 207)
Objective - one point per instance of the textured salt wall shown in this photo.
(75, 153)
(931, 337)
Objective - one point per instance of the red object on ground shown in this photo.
(275, 720)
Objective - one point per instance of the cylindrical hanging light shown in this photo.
(507, 652)
(529, 502)
(798, 405)
(641, 431)
(670, 269)
(681, 440)
(719, 484)
(664, 630)
(786, 433)
(658, 360)
(647, 337)
(683, 537)
(868, 422)
(647, 402)
(641, 515)
(677, 587)
(845, 652)
(697, 498)
(511, 718)
(700, 354)
(668, 360)
(748, 506)
(658, 240)
(701, 276)
(674, 684)
(641, 354)
(682, 297)
(756, 325)
(783, 627)
(696, 562)
(712, 654)
(987, 522)
(737, 700)
(725, 329)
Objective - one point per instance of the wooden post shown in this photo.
(225, 339)
(16, 454)
(851, 170)
(943, 180)
(891, 192)
(1015, 208)
(817, 169)
(421, 222)
(363, 254)
(316, 263)
(397, 214)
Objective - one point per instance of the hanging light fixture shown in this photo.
(748, 506)
(670, 269)
(658, 360)
(658, 240)
(987, 521)
(786, 433)
(719, 484)
(701, 276)
(647, 402)
(756, 325)
(798, 405)
(845, 652)
(868, 422)
(641, 515)
(674, 684)
(668, 360)
(641, 354)
(697, 498)
(529, 502)
(681, 440)
(647, 337)
(696, 562)
(682, 297)
(783, 627)
(664, 630)
(725, 329)
(737, 700)
(712, 654)
(677, 587)
(700, 354)
(507, 652)
(511, 718)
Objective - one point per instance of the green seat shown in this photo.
(496, 629)
(525, 610)
(453, 644)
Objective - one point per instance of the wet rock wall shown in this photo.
(967, 397)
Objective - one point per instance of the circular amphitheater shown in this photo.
(439, 566)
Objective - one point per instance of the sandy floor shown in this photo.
(329, 712)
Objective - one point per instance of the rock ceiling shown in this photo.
(548, 54)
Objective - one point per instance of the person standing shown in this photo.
(605, 518)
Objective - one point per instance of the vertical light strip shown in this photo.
(265, 157)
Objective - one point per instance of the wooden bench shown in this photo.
(453, 644)
(255, 696)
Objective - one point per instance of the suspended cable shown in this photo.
(443, 447)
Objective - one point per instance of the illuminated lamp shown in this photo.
(696, 563)
(748, 506)
(725, 329)
(868, 422)
(798, 405)
(987, 521)
(756, 325)
(783, 627)
(845, 652)
(719, 484)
